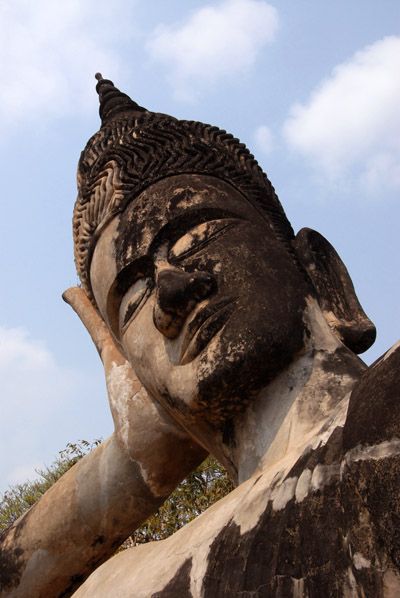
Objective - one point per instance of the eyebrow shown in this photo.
(144, 265)
(179, 225)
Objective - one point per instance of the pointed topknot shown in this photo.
(114, 103)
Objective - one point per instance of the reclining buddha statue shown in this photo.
(221, 332)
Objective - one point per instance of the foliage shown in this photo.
(207, 484)
(20, 497)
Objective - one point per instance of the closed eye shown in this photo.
(199, 236)
(128, 292)
(133, 301)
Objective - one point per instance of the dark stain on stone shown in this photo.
(334, 289)
(176, 403)
(179, 586)
(341, 365)
(179, 197)
(75, 582)
(11, 564)
(374, 408)
(327, 454)
(12, 561)
(378, 485)
(98, 540)
(228, 433)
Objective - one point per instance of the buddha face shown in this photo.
(204, 301)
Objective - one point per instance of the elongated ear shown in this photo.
(335, 291)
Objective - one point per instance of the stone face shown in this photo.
(222, 332)
(186, 260)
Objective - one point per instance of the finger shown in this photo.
(89, 316)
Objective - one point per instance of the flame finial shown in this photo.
(113, 102)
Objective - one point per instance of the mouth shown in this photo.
(204, 326)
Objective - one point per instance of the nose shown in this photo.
(177, 294)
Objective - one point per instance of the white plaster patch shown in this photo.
(283, 493)
(360, 562)
(337, 419)
(321, 326)
(298, 588)
(121, 392)
(309, 481)
(324, 474)
(253, 503)
(387, 448)
(303, 485)
(119, 386)
(217, 267)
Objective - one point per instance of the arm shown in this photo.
(86, 515)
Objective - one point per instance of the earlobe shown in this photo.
(335, 291)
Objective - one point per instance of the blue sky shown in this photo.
(313, 88)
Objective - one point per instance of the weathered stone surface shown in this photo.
(327, 525)
(222, 332)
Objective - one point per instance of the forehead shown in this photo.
(169, 203)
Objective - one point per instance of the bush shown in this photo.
(202, 488)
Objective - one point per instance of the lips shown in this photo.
(204, 327)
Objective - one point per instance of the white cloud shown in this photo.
(37, 404)
(263, 138)
(351, 122)
(216, 42)
(49, 52)
(20, 353)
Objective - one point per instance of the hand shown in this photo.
(143, 428)
(122, 382)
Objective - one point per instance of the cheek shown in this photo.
(143, 345)
(151, 356)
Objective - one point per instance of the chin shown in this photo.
(228, 376)
(237, 365)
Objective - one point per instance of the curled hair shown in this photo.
(128, 155)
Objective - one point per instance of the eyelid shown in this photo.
(126, 278)
(206, 231)
(173, 230)
(140, 268)
(133, 301)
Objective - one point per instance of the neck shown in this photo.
(301, 407)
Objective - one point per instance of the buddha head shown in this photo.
(184, 248)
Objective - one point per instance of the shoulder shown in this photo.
(374, 408)
(371, 465)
